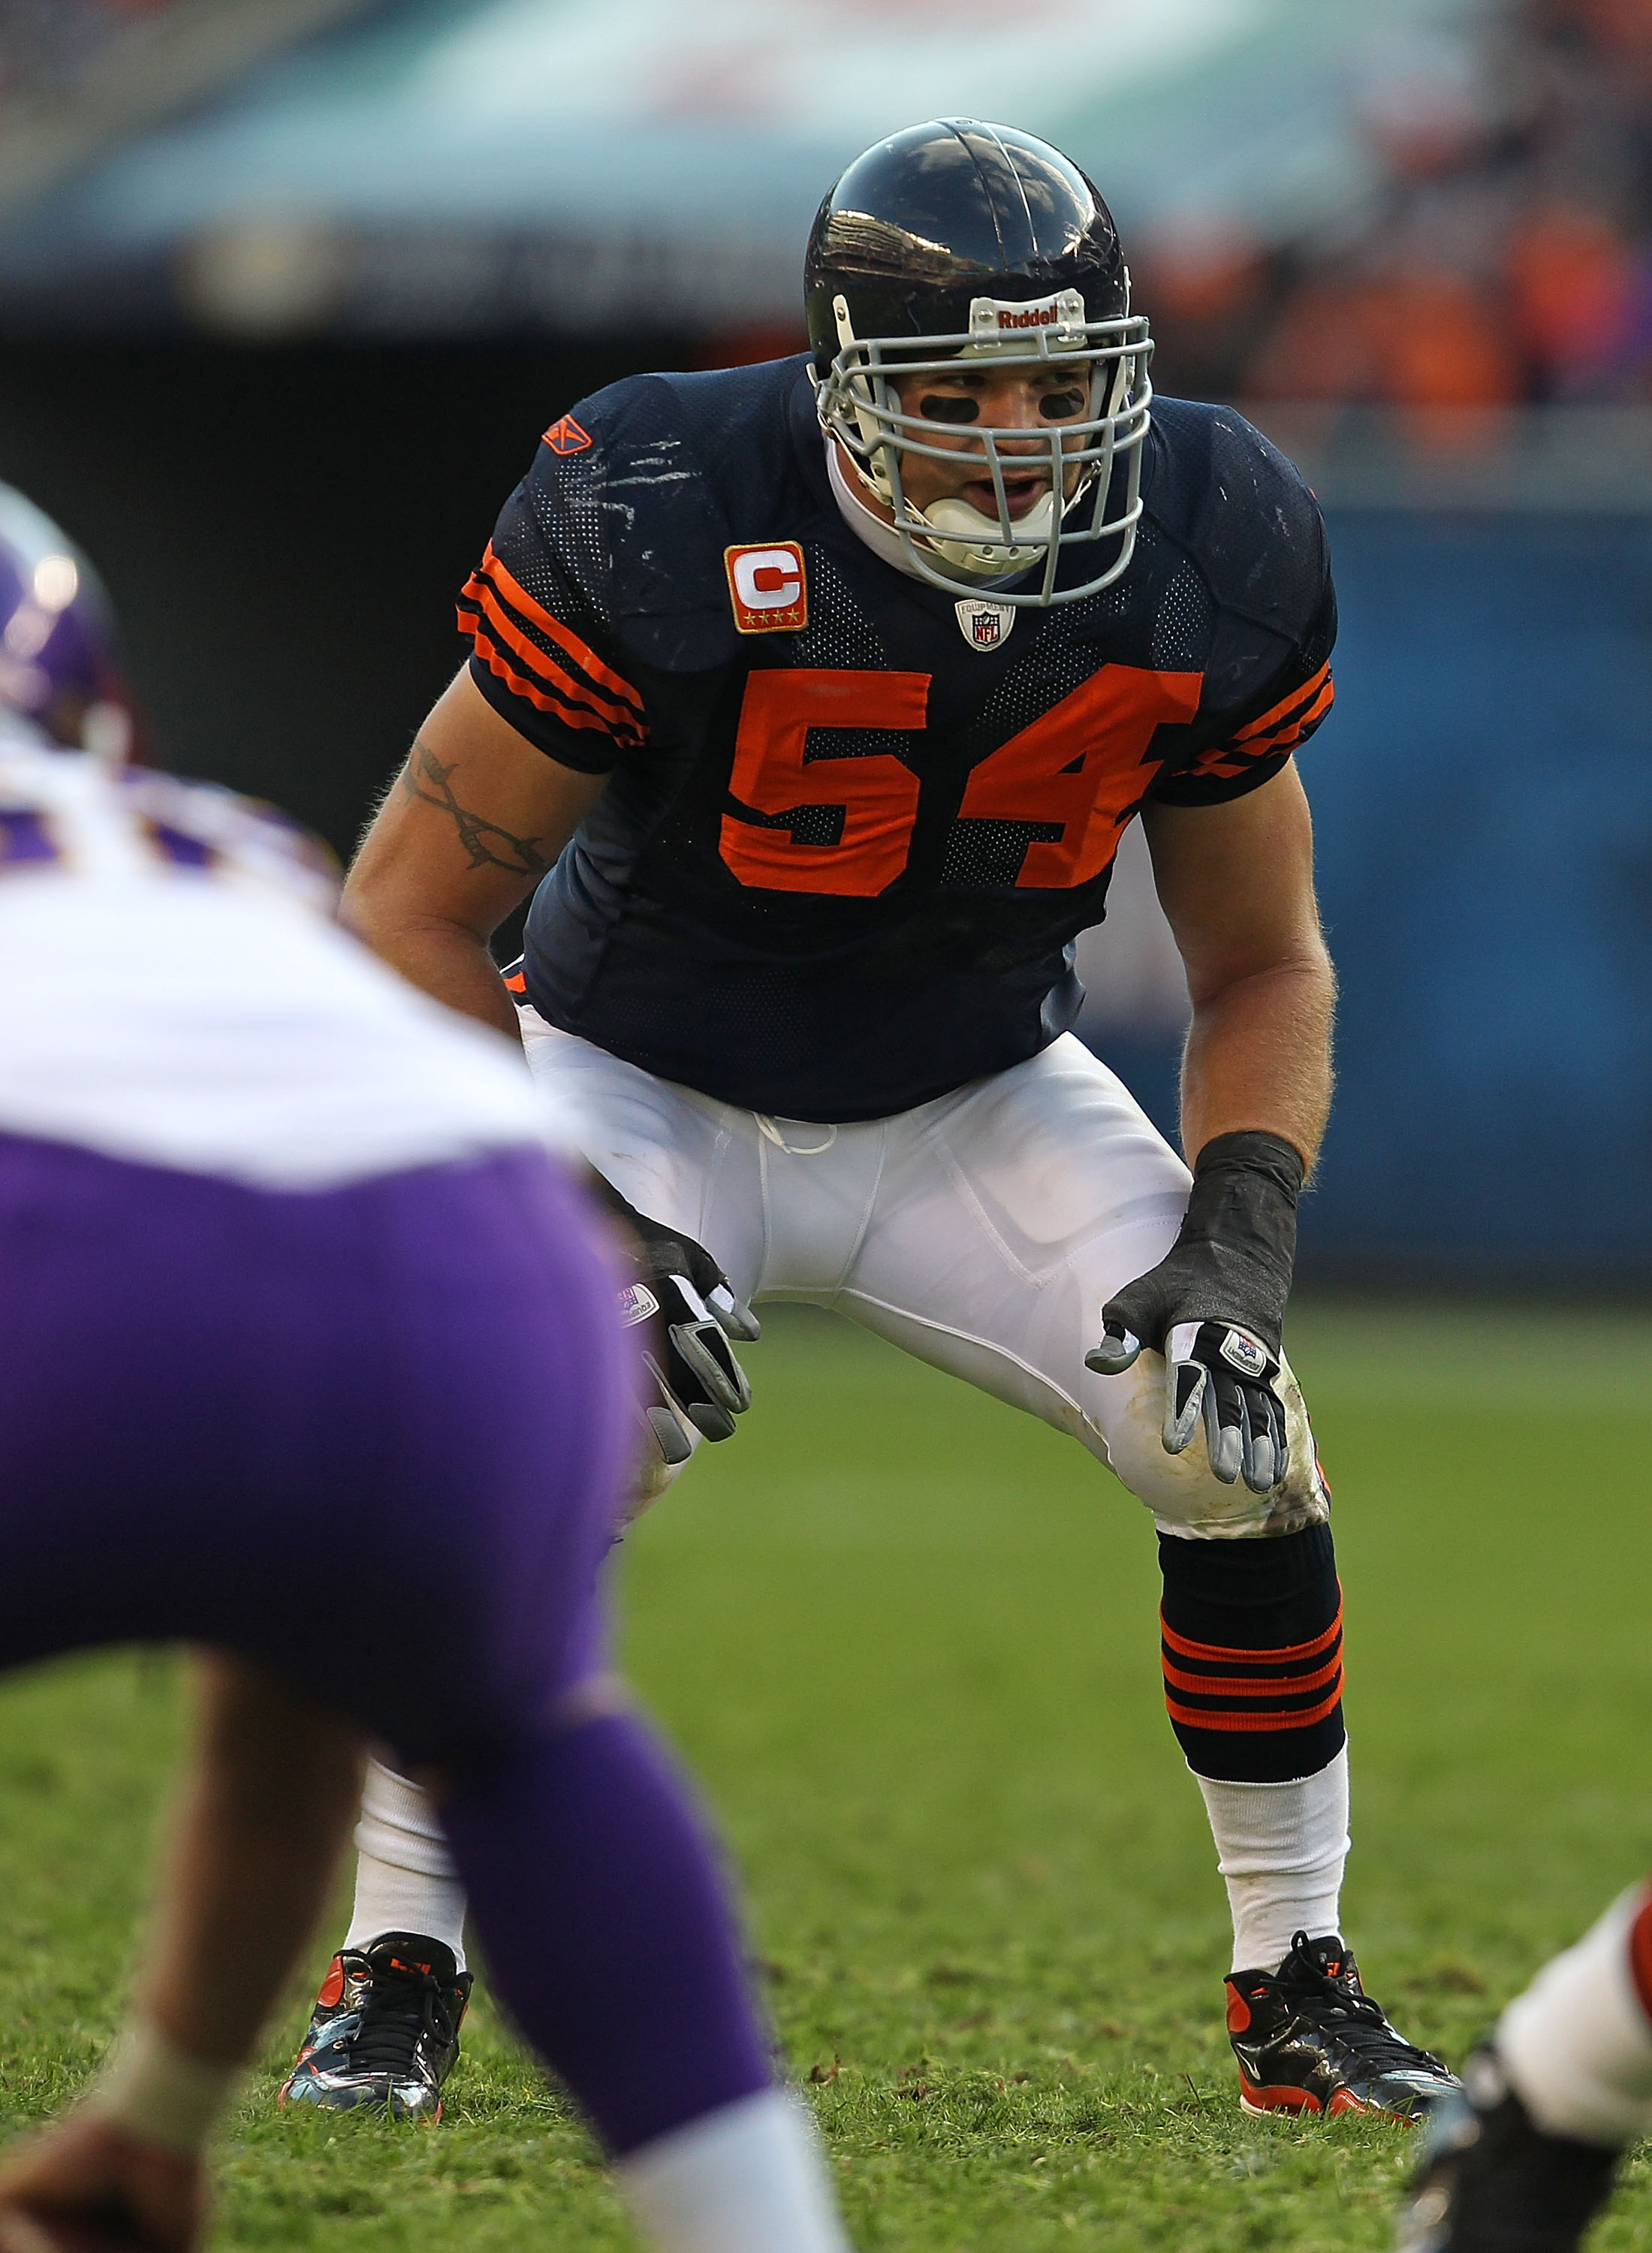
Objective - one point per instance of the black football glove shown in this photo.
(691, 1310)
(1215, 1308)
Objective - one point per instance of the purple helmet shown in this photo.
(57, 666)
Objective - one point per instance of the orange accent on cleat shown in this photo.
(332, 1987)
(1253, 2099)
(1263, 2101)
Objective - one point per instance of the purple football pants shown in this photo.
(373, 1437)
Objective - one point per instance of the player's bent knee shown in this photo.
(1182, 1491)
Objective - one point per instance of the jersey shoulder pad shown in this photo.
(1241, 510)
(653, 478)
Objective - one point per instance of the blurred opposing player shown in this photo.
(1524, 2158)
(293, 1296)
(811, 701)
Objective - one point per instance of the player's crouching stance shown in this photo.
(819, 695)
(289, 1281)
(1524, 2158)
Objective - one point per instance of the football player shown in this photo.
(810, 703)
(1522, 2160)
(288, 1276)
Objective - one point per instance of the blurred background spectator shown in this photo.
(1507, 256)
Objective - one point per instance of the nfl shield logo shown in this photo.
(984, 626)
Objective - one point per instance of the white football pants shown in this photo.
(982, 1232)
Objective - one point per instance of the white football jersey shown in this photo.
(174, 990)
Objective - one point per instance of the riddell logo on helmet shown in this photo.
(1003, 316)
(767, 587)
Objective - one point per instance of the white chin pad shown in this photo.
(974, 542)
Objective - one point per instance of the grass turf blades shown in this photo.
(906, 1639)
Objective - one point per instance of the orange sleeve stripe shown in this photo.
(1305, 691)
(1187, 1647)
(1240, 1685)
(1225, 760)
(620, 717)
(1254, 1724)
(500, 665)
(1298, 727)
(1221, 765)
(1276, 731)
(536, 614)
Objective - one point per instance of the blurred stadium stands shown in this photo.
(462, 167)
(288, 288)
(77, 77)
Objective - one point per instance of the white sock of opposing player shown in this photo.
(1280, 1848)
(1577, 2045)
(749, 2178)
(405, 1880)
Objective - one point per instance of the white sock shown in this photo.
(1577, 2045)
(405, 1880)
(749, 2178)
(1280, 1848)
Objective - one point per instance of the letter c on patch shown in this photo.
(768, 586)
(767, 578)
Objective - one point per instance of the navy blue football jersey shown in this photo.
(854, 822)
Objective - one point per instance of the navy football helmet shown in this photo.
(958, 241)
(57, 666)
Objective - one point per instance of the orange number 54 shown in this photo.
(1080, 764)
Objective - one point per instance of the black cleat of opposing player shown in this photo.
(385, 2031)
(1491, 2181)
(1309, 2039)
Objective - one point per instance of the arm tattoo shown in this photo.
(484, 842)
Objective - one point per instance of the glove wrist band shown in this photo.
(1253, 1151)
(1242, 1219)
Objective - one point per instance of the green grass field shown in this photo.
(908, 1640)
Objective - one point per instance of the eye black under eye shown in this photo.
(936, 409)
(1059, 406)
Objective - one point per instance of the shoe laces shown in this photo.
(1364, 2026)
(402, 2008)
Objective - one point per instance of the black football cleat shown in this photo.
(385, 2030)
(1492, 2181)
(1309, 2039)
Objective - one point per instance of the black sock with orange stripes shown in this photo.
(1253, 1654)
